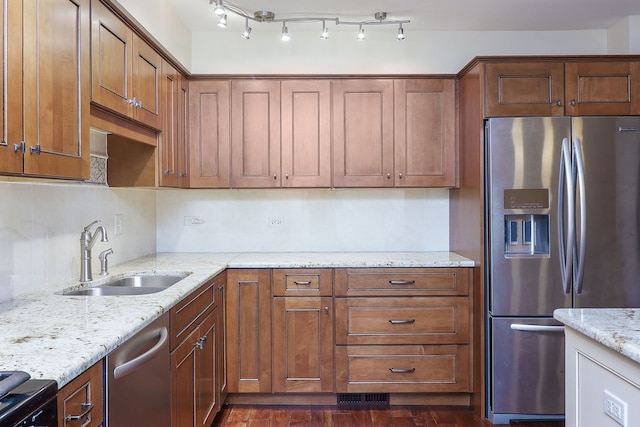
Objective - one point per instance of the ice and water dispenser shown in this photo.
(526, 235)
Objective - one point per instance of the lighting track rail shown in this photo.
(265, 16)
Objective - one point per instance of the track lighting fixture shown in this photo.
(285, 32)
(246, 34)
(380, 18)
(219, 9)
(325, 31)
(400, 35)
(222, 21)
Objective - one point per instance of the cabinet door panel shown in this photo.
(112, 47)
(146, 83)
(306, 134)
(182, 133)
(11, 86)
(303, 344)
(209, 109)
(56, 87)
(169, 140)
(183, 382)
(249, 331)
(425, 133)
(363, 133)
(602, 88)
(524, 89)
(207, 397)
(255, 124)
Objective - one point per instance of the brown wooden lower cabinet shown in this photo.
(402, 369)
(303, 344)
(80, 403)
(195, 356)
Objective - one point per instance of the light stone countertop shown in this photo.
(615, 328)
(57, 337)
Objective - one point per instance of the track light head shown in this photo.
(219, 9)
(285, 32)
(400, 35)
(325, 31)
(361, 35)
(222, 21)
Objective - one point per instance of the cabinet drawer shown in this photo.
(417, 368)
(302, 282)
(402, 320)
(188, 312)
(83, 398)
(401, 281)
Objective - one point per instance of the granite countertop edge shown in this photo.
(58, 337)
(616, 328)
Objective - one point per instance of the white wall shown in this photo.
(225, 52)
(313, 220)
(40, 226)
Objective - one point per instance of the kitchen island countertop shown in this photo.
(57, 337)
(615, 328)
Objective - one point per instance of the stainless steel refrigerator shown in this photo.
(562, 230)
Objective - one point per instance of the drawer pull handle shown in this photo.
(402, 282)
(402, 371)
(308, 282)
(402, 322)
(88, 407)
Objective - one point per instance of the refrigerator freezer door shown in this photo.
(611, 155)
(523, 166)
(527, 369)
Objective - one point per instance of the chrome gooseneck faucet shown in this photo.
(87, 240)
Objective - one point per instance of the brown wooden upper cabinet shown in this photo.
(562, 87)
(363, 133)
(46, 85)
(425, 133)
(398, 133)
(125, 70)
(173, 153)
(209, 133)
(255, 134)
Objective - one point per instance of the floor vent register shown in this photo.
(363, 399)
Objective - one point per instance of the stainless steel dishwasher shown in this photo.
(138, 379)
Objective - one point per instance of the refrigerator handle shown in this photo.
(578, 162)
(565, 245)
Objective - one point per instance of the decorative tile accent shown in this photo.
(98, 168)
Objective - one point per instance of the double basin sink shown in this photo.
(137, 284)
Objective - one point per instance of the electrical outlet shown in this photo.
(118, 222)
(276, 222)
(193, 220)
(615, 408)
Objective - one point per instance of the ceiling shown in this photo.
(432, 15)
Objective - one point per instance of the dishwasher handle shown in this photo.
(133, 364)
(536, 328)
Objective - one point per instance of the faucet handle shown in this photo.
(88, 227)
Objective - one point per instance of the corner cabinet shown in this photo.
(557, 86)
(125, 69)
(46, 85)
(195, 356)
(209, 133)
(249, 331)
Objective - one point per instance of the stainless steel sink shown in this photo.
(130, 285)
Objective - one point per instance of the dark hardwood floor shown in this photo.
(320, 416)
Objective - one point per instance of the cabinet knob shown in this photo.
(275, 176)
(573, 102)
(167, 172)
(326, 310)
(182, 175)
(400, 175)
(19, 147)
(388, 176)
(286, 176)
(35, 150)
(558, 103)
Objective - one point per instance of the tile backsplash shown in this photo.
(40, 226)
(303, 220)
(41, 222)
